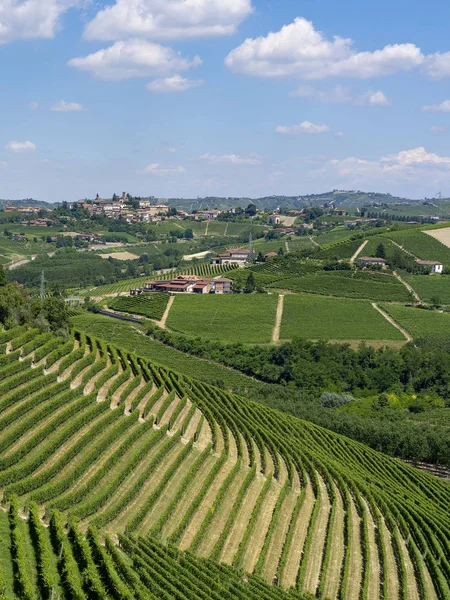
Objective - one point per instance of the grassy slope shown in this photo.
(316, 317)
(125, 335)
(243, 318)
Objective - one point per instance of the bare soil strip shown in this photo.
(220, 518)
(374, 560)
(169, 492)
(169, 411)
(165, 316)
(391, 575)
(278, 319)
(115, 400)
(289, 576)
(188, 496)
(411, 586)
(278, 537)
(240, 525)
(181, 417)
(90, 386)
(388, 318)
(408, 286)
(358, 252)
(145, 399)
(314, 558)
(103, 391)
(429, 587)
(333, 574)
(192, 427)
(205, 506)
(130, 399)
(205, 436)
(355, 567)
(254, 548)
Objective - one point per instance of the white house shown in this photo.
(433, 266)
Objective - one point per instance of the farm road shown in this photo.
(278, 318)
(392, 322)
(163, 321)
(360, 249)
(407, 286)
(404, 250)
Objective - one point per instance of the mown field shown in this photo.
(348, 284)
(115, 444)
(315, 317)
(127, 336)
(228, 318)
(421, 324)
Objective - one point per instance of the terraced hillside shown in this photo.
(160, 462)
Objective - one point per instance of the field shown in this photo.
(125, 335)
(441, 235)
(151, 306)
(315, 317)
(348, 284)
(120, 255)
(421, 324)
(226, 318)
(421, 244)
(164, 464)
(431, 288)
(340, 250)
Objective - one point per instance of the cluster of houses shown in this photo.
(119, 208)
(188, 284)
(236, 256)
(429, 266)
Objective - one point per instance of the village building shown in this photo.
(273, 220)
(235, 256)
(208, 215)
(365, 261)
(188, 284)
(432, 266)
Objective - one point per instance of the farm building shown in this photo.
(365, 261)
(270, 255)
(235, 256)
(433, 266)
(188, 284)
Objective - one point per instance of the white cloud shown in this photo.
(28, 19)
(341, 95)
(168, 19)
(133, 58)
(33, 105)
(442, 107)
(437, 66)
(21, 146)
(438, 129)
(170, 85)
(3, 164)
(339, 134)
(62, 106)
(232, 159)
(305, 127)
(299, 50)
(157, 169)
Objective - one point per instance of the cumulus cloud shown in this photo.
(232, 159)
(62, 106)
(157, 169)
(21, 146)
(437, 66)
(133, 58)
(168, 19)
(171, 85)
(28, 19)
(442, 107)
(305, 127)
(341, 95)
(298, 49)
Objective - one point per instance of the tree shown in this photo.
(250, 284)
(3, 280)
(380, 251)
(280, 251)
(250, 210)
(189, 234)
(260, 257)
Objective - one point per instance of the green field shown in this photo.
(421, 245)
(348, 284)
(247, 318)
(340, 250)
(151, 306)
(315, 317)
(421, 324)
(431, 288)
(127, 336)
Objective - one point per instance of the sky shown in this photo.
(187, 98)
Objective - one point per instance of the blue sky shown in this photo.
(223, 97)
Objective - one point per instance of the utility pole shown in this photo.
(250, 248)
(42, 293)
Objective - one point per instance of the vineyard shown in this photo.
(421, 245)
(147, 305)
(124, 286)
(196, 485)
(421, 324)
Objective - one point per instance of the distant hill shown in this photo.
(26, 202)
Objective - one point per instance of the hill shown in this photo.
(27, 202)
(107, 438)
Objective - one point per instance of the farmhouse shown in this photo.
(270, 255)
(235, 256)
(365, 261)
(188, 284)
(433, 266)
